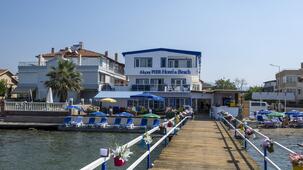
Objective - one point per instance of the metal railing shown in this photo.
(246, 140)
(161, 87)
(30, 63)
(102, 161)
(33, 106)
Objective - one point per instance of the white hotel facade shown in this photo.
(169, 73)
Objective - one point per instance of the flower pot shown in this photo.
(119, 161)
(270, 149)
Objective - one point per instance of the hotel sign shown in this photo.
(164, 71)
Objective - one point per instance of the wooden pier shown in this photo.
(204, 145)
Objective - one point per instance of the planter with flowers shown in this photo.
(296, 160)
(249, 132)
(268, 145)
(121, 155)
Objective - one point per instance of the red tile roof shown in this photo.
(66, 53)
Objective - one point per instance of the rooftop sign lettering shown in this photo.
(163, 71)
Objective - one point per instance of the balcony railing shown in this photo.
(161, 87)
(35, 106)
(28, 64)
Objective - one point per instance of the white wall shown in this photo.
(134, 73)
(131, 70)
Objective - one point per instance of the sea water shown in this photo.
(288, 137)
(51, 150)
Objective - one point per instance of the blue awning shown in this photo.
(116, 94)
(148, 96)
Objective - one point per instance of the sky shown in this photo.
(237, 38)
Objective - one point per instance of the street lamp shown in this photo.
(279, 67)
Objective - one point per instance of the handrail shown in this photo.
(101, 160)
(140, 159)
(253, 145)
(261, 134)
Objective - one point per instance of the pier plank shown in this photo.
(204, 145)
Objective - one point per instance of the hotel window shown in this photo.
(290, 79)
(178, 81)
(143, 62)
(142, 81)
(179, 63)
(163, 62)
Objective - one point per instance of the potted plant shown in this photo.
(268, 145)
(296, 160)
(121, 155)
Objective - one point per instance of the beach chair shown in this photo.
(103, 122)
(143, 123)
(260, 118)
(156, 123)
(117, 123)
(67, 121)
(129, 123)
(91, 122)
(78, 122)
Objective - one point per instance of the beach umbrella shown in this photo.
(101, 114)
(292, 112)
(49, 96)
(151, 115)
(275, 114)
(264, 112)
(73, 107)
(125, 114)
(148, 96)
(108, 100)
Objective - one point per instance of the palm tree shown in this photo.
(64, 78)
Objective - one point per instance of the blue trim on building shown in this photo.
(196, 53)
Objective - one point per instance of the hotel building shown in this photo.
(169, 73)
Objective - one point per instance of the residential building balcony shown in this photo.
(161, 87)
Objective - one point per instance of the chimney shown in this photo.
(116, 57)
(106, 53)
(53, 50)
(81, 45)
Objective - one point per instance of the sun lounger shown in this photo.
(91, 122)
(117, 123)
(78, 122)
(143, 123)
(260, 118)
(129, 123)
(103, 122)
(67, 121)
(156, 123)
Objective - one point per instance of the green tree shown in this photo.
(248, 94)
(64, 78)
(225, 84)
(3, 87)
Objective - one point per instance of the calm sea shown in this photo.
(288, 137)
(49, 150)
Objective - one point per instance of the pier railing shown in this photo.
(247, 141)
(34, 106)
(102, 161)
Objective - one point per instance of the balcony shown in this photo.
(161, 87)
